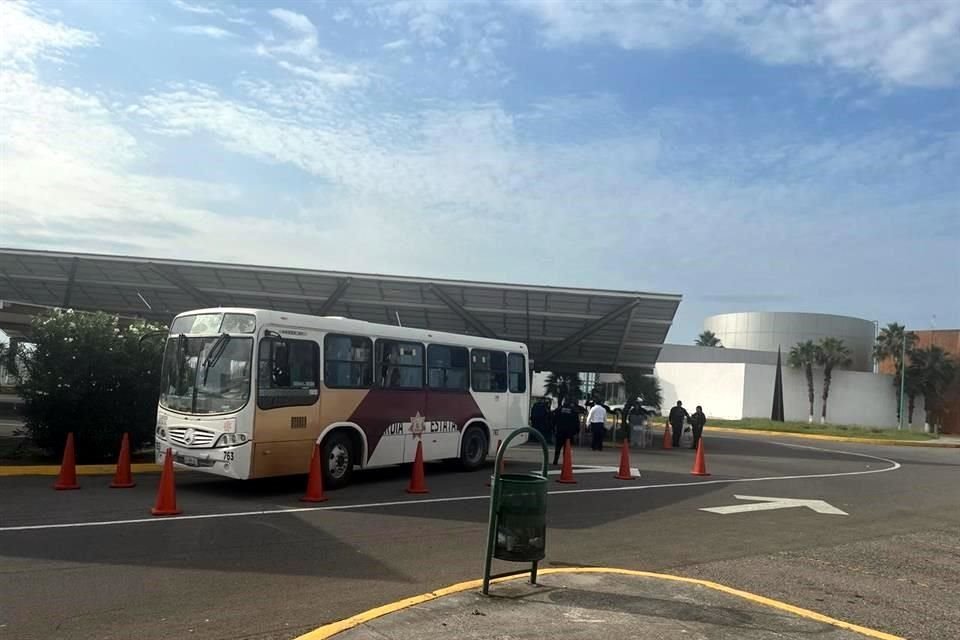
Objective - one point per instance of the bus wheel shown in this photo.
(338, 459)
(473, 449)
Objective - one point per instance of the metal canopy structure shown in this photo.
(564, 328)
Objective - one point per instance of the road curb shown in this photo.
(853, 439)
(82, 470)
(332, 629)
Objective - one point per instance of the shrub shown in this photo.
(89, 375)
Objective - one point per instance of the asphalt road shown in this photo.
(255, 566)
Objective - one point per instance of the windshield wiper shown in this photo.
(213, 356)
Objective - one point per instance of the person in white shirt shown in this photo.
(597, 419)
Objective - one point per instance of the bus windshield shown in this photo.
(206, 374)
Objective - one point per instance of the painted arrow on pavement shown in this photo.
(762, 503)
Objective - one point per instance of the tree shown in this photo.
(562, 385)
(708, 339)
(913, 385)
(831, 353)
(639, 389)
(890, 344)
(643, 386)
(89, 375)
(934, 370)
(803, 355)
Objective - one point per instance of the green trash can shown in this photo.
(517, 528)
(521, 518)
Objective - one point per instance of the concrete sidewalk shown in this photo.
(591, 604)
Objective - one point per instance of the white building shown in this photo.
(765, 331)
(733, 384)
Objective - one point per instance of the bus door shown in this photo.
(488, 377)
(449, 404)
(518, 408)
(400, 377)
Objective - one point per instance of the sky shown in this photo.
(751, 155)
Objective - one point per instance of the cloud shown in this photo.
(204, 30)
(470, 32)
(895, 43)
(29, 36)
(330, 78)
(228, 12)
(304, 44)
(311, 61)
(567, 190)
(295, 21)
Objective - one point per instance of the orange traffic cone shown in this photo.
(315, 481)
(503, 464)
(123, 478)
(417, 483)
(667, 437)
(699, 464)
(166, 504)
(68, 468)
(566, 472)
(625, 473)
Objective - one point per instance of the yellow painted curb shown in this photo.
(854, 439)
(330, 630)
(82, 470)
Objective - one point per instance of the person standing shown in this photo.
(677, 415)
(597, 419)
(697, 421)
(540, 418)
(566, 422)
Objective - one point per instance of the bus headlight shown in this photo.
(230, 439)
(161, 433)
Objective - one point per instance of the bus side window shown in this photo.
(347, 362)
(488, 371)
(288, 373)
(400, 364)
(447, 367)
(518, 373)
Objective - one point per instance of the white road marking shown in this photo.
(590, 468)
(762, 503)
(894, 465)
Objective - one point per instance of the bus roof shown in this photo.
(337, 324)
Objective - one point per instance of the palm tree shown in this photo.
(708, 339)
(913, 385)
(892, 342)
(935, 370)
(646, 387)
(564, 385)
(831, 352)
(803, 355)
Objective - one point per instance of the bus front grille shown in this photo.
(191, 437)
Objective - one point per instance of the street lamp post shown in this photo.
(903, 376)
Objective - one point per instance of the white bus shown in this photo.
(246, 393)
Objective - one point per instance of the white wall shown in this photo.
(856, 398)
(732, 391)
(717, 386)
(538, 386)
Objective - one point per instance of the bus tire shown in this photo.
(339, 456)
(473, 448)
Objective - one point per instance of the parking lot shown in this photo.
(249, 560)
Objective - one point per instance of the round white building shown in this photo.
(765, 331)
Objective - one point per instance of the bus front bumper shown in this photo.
(231, 462)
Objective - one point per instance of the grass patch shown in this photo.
(842, 430)
(19, 451)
